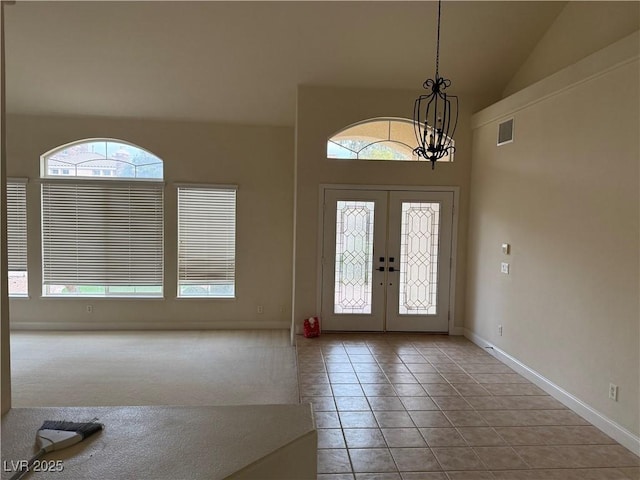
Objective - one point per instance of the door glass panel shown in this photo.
(419, 258)
(354, 257)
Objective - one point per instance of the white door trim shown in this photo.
(454, 236)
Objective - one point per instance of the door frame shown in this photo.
(418, 188)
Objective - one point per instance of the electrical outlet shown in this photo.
(260, 309)
(504, 268)
(613, 392)
(89, 308)
(500, 330)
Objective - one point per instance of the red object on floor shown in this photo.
(312, 327)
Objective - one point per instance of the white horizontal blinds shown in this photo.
(17, 226)
(99, 233)
(206, 235)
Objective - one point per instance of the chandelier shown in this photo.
(435, 115)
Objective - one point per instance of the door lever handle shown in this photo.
(391, 269)
(381, 269)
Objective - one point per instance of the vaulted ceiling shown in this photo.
(241, 62)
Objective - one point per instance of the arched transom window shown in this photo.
(376, 139)
(104, 158)
(102, 220)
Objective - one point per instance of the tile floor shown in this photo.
(423, 407)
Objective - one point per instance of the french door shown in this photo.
(386, 260)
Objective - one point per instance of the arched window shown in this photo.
(105, 158)
(102, 220)
(376, 139)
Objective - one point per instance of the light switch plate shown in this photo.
(504, 268)
(506, 248)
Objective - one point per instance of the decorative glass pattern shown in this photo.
(419, 258)
(102, 158)
(354, 257)
(377, 139)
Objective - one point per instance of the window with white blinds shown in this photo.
(206, 241)
(102, 238)
(17, 236)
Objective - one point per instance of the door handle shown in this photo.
(381, 269)
(391, 269)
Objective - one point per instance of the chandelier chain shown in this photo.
(438, 39)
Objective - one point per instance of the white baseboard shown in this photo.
(608, 426)
(84, 326)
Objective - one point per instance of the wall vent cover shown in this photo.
(505, 132)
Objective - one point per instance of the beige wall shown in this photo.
(580, 29)
(565, 196)
(321, 112)
(258, 159)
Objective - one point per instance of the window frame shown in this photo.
(404, 122)
(180, 282)
(12, 218)
(139, 193)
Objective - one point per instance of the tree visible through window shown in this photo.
(376, 139)
(102, 229)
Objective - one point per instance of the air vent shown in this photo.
(505, 132)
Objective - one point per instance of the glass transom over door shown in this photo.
(386, 260)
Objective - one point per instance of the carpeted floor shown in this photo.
(152, 368)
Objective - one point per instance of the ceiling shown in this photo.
(241, 62)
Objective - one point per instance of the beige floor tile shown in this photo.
(429, 419)
(333, 461)
(410, 390)
(335, 476)
(415, 459)
(552, 435)
(631, 472)
(320, 404)
(513, 389)
(385, 403)
(372, 460)
(364, 438)
(429, 378)
(465, 418)
(441, 390)
(327, 420)
(470, 389)
(330, 438)
(378, 390)
(458, 458)
(443, 437)
(357, 420)
(347, 390)
(578, 456)
(337, 377)
(393, 419)
(500, 378)
(500, 458)
(481, 436)
(421, 368)
(418, 403)
(378, 476)
(423, 476)
(477, 475)
(352, 404)
(560, 474)
(519, 418)
(372, 377)
(452, 403)
(419, 414)
(403, 437)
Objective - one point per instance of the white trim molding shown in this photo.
(608, 426)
